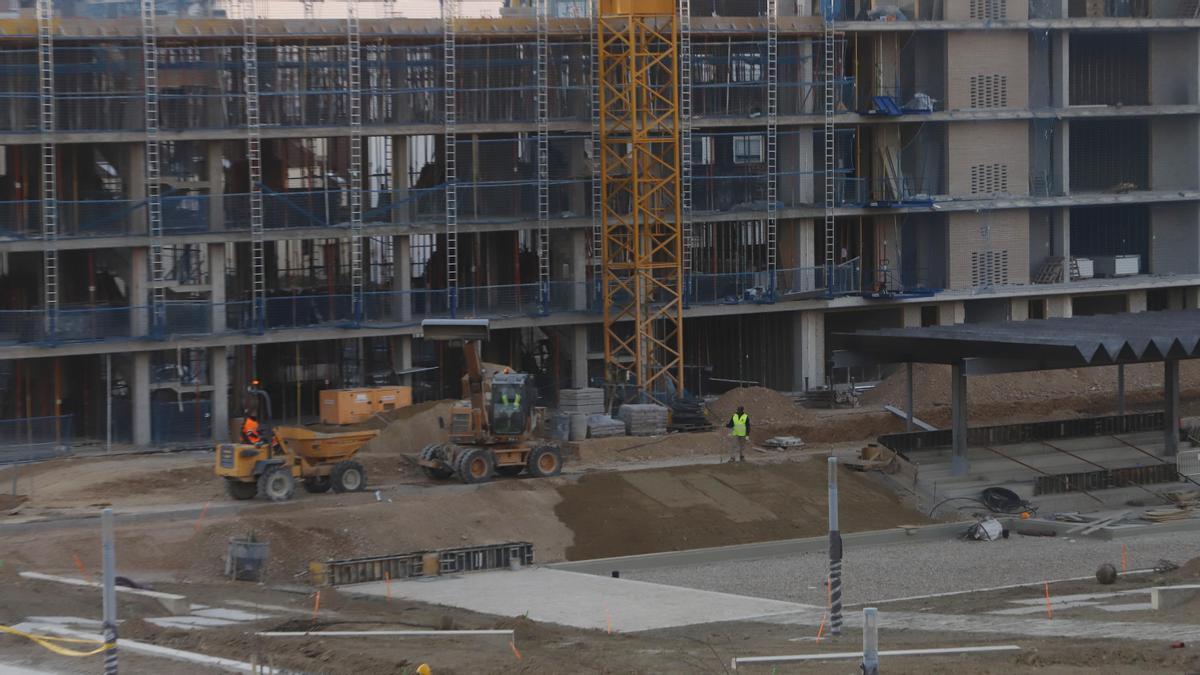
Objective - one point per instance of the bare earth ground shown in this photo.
(609, 504)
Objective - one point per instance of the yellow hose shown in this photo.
(48, 641)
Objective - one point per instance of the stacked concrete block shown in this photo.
(603, 426)
(585, 401)
(644, 419)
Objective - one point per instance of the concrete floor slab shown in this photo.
(583, 600)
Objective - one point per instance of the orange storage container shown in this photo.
(346, 406)
(391, 398)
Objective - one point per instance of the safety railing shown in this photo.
(755, 287)
(1113, 9)
(31, 438)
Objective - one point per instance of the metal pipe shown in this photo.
(108, 403)
(835, 554)
(110, 591)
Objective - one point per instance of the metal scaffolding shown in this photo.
(154, 216)
(772, 144)
(543, 153)
(830, 111)
(596, 150)
(450, 96)
(254, 162)
(45, 23)
(685, 136)
(639, 133)
(353, 45)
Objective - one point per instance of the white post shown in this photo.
(870, 662)
(110, 592)
(835, 554)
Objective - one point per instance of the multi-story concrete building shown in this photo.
(178, 221)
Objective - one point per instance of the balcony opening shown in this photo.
(1110, 155)
(1113, 241)
(1109, 69)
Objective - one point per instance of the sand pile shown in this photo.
(765, 406)
(411, 429)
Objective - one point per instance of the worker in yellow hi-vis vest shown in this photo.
(739, 435)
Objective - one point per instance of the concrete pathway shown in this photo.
(581, 600)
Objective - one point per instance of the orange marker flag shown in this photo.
(1049, 609)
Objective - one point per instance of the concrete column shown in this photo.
(808, 340)
(1191, 298)
(950, 313)
(911, 316)
(579, 356)
(402, 277)
(1171, 407)
(579, 270)
(216, 185)
(402, 357)
(1059, 307)
(1018, 309)
(139, 297)
(1061, 240)
(139, 390)
(216, 278)
(218, 368)
(400, 185)
(1060, 68)
(135, 185)
(1135, 302)
(958, 415)
(806, 255)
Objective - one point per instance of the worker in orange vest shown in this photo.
(250, 432)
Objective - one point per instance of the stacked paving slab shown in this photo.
(585, 401)
(644, 419)
(603, 426)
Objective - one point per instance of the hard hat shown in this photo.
(423, 669)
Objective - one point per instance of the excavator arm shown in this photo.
(472, 332)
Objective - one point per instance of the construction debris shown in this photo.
(604, 426)
(587, 401)
(781, 442)
(644, 419)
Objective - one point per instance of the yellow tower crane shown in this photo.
(641, 219)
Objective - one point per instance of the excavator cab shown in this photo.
(511, 404)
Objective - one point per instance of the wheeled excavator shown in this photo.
(491, 431)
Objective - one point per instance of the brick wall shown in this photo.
(1006, 259)
(987, 70)
(988, 158)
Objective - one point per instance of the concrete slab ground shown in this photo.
(583, 600)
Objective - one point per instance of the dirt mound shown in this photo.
(411, 429)
(765, 406)
(631, 512)
(1189, 570)
(10, 502)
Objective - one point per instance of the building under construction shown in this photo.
(197, 195)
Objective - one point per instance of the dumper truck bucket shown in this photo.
(455, 329)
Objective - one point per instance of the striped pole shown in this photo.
(835, 554)
(110, 591)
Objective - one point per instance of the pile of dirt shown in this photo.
(765, 406)
(632, 512)
(410, 429)
(10, 502)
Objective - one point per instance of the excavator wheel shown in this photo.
(430, 452)
(545, 461)
(348, 476)
(239, 490)
(317, 484)
(475, 466)
(277, 484)
(510, 471)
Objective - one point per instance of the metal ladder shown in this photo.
(158, 291)
(309, 9)
(597, 185)
(543, 154)
(45, 23)
(254, 161)
(772, 146)
(449, 9)
(354, 45)
(830, 150)
(685, 139)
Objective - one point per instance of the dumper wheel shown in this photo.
(545, 461)
(510, 471)
(475, 466)
(430, 452)
(348, 477)
(239, 490)
(317, 484)
(277, 484)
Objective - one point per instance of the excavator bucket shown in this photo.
(455, 329)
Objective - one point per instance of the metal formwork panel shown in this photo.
(641, 214)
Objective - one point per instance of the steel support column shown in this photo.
(1170, 407)
(958, 416)
(641, 207)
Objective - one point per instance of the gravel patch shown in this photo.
(877, 573)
